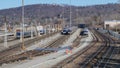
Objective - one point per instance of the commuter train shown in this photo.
(42, 32)
(66, 31)
(81, 26)
(26, 34)
(84, 32)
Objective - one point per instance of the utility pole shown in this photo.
(116, 19)
(5, 36)
(70, 14)
(46, 29)
(63, 23)
(22, 33)
(77, 16)
(116, 27)
(31, 30)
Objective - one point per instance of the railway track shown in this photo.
(91, 59)
(17, 48)
(102, 56)
(95, 51)
(74, 56)
(106, 59)
(12, 38)
(34, 53)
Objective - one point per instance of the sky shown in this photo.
(4, 4)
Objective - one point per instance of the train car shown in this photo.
(84, 32)
(66, 32)
(81, 25)
(42, 32)
(26, 34)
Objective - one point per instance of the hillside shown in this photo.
(97, 13)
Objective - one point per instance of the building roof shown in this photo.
(112, 21)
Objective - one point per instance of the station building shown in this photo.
(111, 24)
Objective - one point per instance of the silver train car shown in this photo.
(84, 32)
(66, 31)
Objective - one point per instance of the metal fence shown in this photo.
(110, 32)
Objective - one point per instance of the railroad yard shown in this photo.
(47, 34)
(50, 51)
